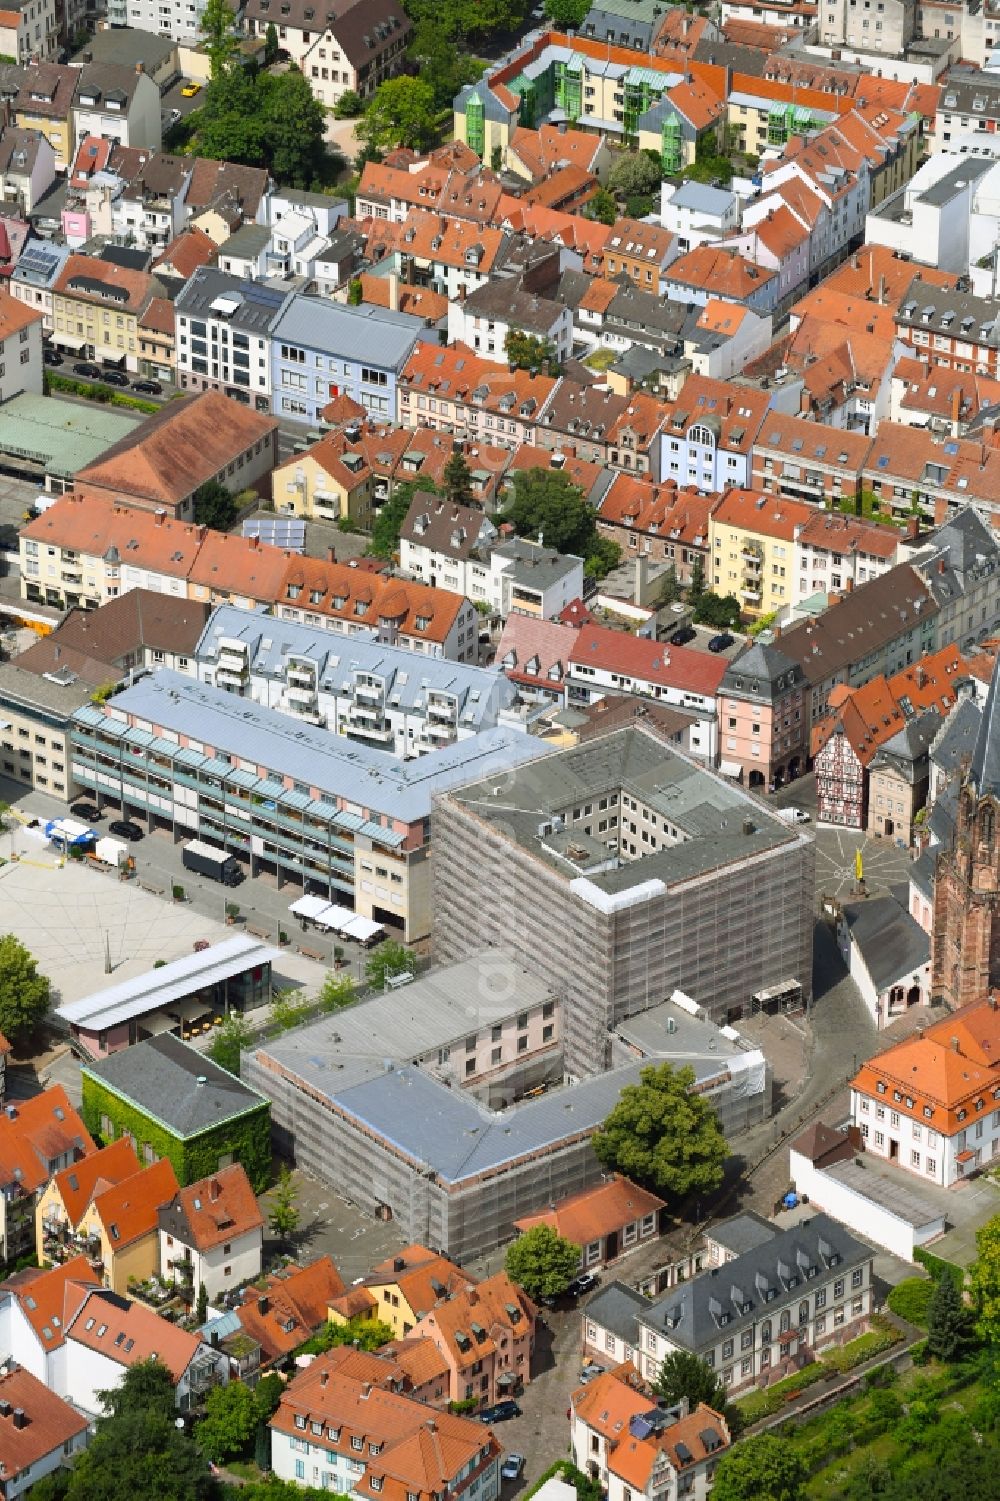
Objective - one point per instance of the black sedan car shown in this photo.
(147, 387)
(114, 378)
(722, 642)
(51, 357)
(89, 812)
(682, 635)
(125, 829)
(88, 371)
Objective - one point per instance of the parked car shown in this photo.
(683, 635)
(91, 372)
(512, 1467)
(501, 1413)
(722, 642)
(590, 1372)
(125, 829)
(190, 89)
(582, 1284)
(89, 812)
(114, 377)
(51, 357)
(792, 814)
(147, 387)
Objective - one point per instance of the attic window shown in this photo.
(59, 1113)
(880, 1087)
(115, 1232)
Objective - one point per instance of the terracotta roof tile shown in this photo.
(292, 1306)
(648, 661)
(40, 1130)
(129, 1333)
(49, 1299)
(214, 1210)
(870, 715)
(952, 1065)
(110, 1165)
(722, 273)
(51, 1424)
(129, 1210)
(596, 1212)
(424, 1280)
(14, 316)
(81, 272)
(167, 457)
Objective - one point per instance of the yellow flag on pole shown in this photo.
(859, 869)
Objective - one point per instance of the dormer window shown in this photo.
(300, 1421)
(880, 1087)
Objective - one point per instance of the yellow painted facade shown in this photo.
(753, 565)
(111, 332)
(305, 487)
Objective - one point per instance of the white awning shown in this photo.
(362, 928)
(310, 906)
(731, 769)
(73, 342)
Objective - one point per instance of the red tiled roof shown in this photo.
(76, 1184)
(128, 1210)
(292, 1306)
(34, 1133)
(648, 661)
(128, 1333)
(214, 1210)
(595, 1212)
(50, 1424)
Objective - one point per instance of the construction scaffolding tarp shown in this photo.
(748, 1071)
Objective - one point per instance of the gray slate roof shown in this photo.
(743, 1232)
(691, 1315)
(984, 772)
(618, 1307)
(375, 335)
(175, 1085)
(892, 944)
(957, 737)
(761, 672)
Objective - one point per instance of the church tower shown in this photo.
(965, 944)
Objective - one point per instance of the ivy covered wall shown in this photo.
(246, 1139)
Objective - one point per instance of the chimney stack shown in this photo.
(954, 1044)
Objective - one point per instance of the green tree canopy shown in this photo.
(401, 113)
(283, 1212)
(670, 589)
(634, 173)
(663, 1135)
(603, 207)
(229, 1041)
(389, 958)
(271, 47)
(546, 502)
(230, 1422)
(464, 21)
(337, 992)
(214, 506)
(542, 1262)
(985, 1280)
(145, 1387)
(385, 528)
(696, 587)
(348, 106)
(720, 610)
(266, 120)
(764, 1468)
(527, 352)
(684, 1374)
(367, 1334)
(457, 479)
(24, 993)
(947, 1321)
(567, 13)
(220, 41)
(439, 63)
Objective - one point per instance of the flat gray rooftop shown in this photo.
(433, 1011)
(899, 1192)
(716, 823)
(670, 1031)
(310, 755)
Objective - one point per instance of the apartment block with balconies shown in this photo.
(370, 693)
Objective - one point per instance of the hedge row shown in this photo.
(764, 1404)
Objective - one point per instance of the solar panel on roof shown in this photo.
(278, 531)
